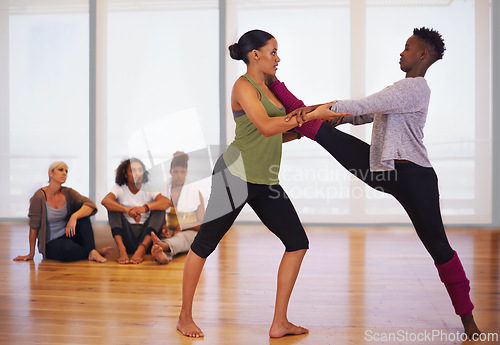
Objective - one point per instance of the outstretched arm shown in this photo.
(293, 105)
(403, 97)
(354, 120)
(32, 240)
(247, 97)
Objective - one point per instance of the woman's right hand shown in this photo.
(323, 112)
(134, 213)
(24, 257)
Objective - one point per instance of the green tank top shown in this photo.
(251, 156)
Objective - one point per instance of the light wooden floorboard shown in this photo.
(355, 284)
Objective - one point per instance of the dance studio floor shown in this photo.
(356, 286)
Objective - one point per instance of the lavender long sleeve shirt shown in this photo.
(399, 114)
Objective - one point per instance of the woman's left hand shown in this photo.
(300, 114)
(71, 227)
(24, 257)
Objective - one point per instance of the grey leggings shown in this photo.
(131, 239)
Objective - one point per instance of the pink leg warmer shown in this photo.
(453, 276)
(309, 128)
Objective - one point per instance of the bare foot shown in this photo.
(188, 328)
(123, 259)
(154, 238)
(105, 251)
(279, 330)
(157, 241)
(94, 255)
(138, 256)
(470, 327)
(159, 254)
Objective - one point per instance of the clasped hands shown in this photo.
(312, 112)
(315, 112)
(135, 212)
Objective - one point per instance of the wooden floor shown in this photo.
(356, 286)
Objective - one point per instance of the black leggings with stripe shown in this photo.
(414, 186)
(228, 196)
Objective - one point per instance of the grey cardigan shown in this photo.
(398, 113)
(38, 211)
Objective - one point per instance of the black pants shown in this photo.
(133, 238)
(228, 196)
(414, 186)
(73, 248)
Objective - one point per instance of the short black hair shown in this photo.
(434, 41)
(121, 171)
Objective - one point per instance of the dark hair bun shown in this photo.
(234, 51)
(180, 159)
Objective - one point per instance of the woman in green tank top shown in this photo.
(247, 173)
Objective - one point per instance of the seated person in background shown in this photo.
(59, 217)
(184, 217)
(134, 211)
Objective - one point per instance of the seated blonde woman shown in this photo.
(59, 218)
(184, 218)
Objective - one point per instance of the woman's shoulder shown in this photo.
(39, 193)
(243, 87)
(417, 81)
(242, 82)
(417, 84)
(72, 194)
(68, 190)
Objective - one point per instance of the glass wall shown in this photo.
(350, 49)
(158, 85)
(161, 81)
(45, 97)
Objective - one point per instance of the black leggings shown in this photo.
(414, 186)
(73, 248)
(228, 196)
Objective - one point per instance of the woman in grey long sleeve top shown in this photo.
(396, 162)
